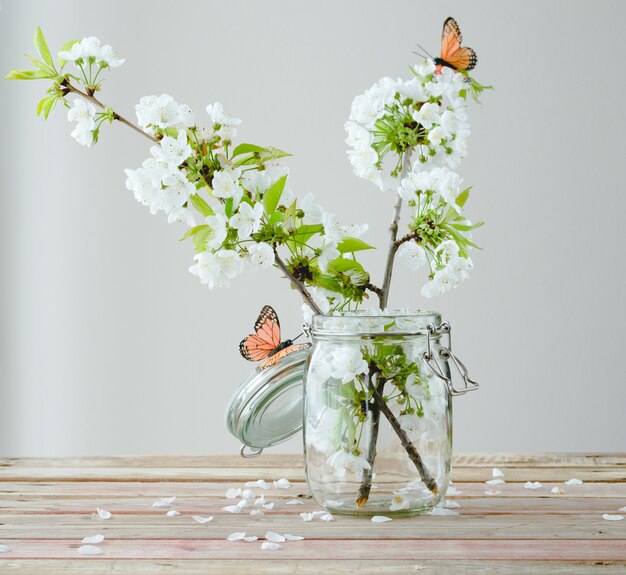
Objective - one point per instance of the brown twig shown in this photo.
(89, 96)
(297, 284)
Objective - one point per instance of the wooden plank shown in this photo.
(202, 505)
(308, 567)
(200, 474)
(278, 461)
(464, 526)
(217, 488)
(511, 549)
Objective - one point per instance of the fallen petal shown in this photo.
(453, 491)
(256, 512)
(333, 503)
(260, 500)
(103, 513)
(269, 546)
(495, 482)
(89, 550)
(381, 519)
(495, 472)
(282, 484)
(532, 485)
(573, 481)
(93, 539)
(449, 504)
(307, 516)
(290, 537)
(233, 493)
(259, 483)
(295, 502)
(269, 506)
(202, 520)
(4, 549)
(327, 517)
(442, 511)
(557, 490)
(248, 494)
(242, 503)
(274, 537)
(250, 538)
(492, 492)
(622, 509)
(172, 513)
(164, 502)
(238, 536)
(232, 508)
(609, 517)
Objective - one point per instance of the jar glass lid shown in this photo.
(267, 408)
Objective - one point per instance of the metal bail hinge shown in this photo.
(445, 353)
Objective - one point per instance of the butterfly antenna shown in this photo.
(295, 338)
(425, 51)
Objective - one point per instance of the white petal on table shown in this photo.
(237, 536)
(233, 493)
(495, 472)
(93, 539)
(610, 517)
(294, 502)
(452, 491)
(381, 519)
(232, 508)
(532, 485)
(274, 537)
(557, 490)
(448, 504)
(90, 550)
(290, 537)
(248, 494)
(202, 520)
(442, 511)
(495, 482)
(269, 506)
(256, 512)
(282, 484)
(573, 481)
(493, 492)
(269, 546)
(258, 483)
(164, 502)
(4, 548)
(172, 513)
(327, 517)
(622, 509)
(103, 513)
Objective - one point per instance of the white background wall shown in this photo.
(110, 346)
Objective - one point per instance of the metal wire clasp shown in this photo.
(248, 454)
(445, 353)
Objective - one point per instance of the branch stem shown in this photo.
(297, 284)
(91, 98)
(393, 233)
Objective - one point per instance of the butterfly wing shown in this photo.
(259, 345)
(460, 58)
(274, 359)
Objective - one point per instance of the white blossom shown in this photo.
(209, 269)
(261, 255)
(182, 216)
(413, 254)
(172, 151)
(89, 50)
(247, 220)
(313, 213)
(223, 124)
(348, 362)
(328, 253)
(226, 185)
(217, 234)
(343, 460)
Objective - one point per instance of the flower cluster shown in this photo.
(89, 52)
(423, 118)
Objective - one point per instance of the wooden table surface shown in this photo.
(48, 505)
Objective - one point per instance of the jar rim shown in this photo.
(374, 323)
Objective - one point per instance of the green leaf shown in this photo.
(305, 232)
(462, 197)
(200, 238)
(276, 217)
(255, 156)
(273, 194)
(193, 231)
(50, 73)
(23, 75)
(46, 105)
(351, 245)
(248, 149)
(65, 48)
(466, 228)
(42, 48)
(328, 282)
(228, 208)
(201, 205)
(350, 268)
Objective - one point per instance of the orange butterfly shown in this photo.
(453, 55)
(264, 344)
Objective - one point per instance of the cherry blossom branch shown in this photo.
(413, 235)
(393, 233)
(297, 284)
(91, 98)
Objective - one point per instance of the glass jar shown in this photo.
(378, 413)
